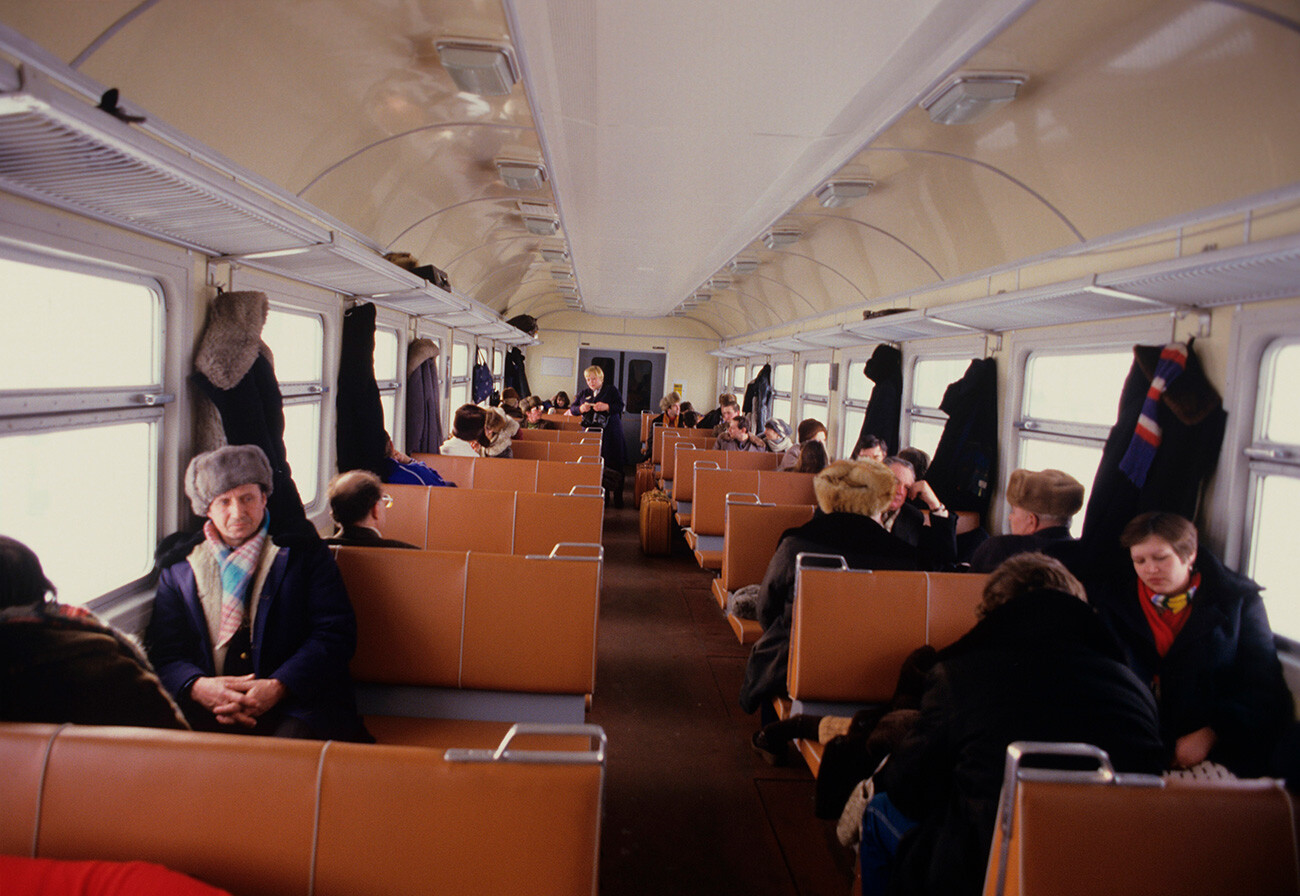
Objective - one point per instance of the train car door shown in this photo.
(639, 377)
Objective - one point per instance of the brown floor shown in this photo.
(688, 807)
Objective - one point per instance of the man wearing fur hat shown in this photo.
(851, 497)
(253, 634)
(1042, 504)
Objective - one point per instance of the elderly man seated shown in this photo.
(1042, 504)
(360, 509)
(253, 634)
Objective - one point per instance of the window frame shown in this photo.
(786, 395)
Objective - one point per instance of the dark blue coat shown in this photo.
(1222, 670)
(612, 447)
(304, 636)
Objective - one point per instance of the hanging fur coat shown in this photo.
(423, 403)
(235, 373)
(360, 437)
(885, 407)
(964, 468)
(1192, 421)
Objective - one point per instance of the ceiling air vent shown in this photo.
(519, 175)
(742, 266)
(841, 191)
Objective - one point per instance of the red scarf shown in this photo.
(1166, 623)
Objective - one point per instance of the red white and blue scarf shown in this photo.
(1141, 452)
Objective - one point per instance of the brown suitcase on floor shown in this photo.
(645, 480)
(656, 514)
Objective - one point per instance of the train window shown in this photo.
(931, 377)
(386, 375)
(73, 406)
(1062, 426)
(738, 381)
(782, 387)
(297, 340)
(459, 393)
(499, 368)
(857, 393)
(1271, 558)
(815, 396)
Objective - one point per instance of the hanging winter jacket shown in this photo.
(964, 468)
(885, 407)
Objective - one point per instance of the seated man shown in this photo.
(360, 508)
(870, 447)
(61, 664)
(718, 419)
(251, 634)
(934, 536)
(1042, 504)
(467, 436)
(737, 437)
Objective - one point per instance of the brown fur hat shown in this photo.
(864, 487)
(1045, 492)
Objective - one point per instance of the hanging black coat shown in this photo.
(885, 407)
(758, 399)
(233, 370)
(360, 436)
(1191, 419)
(515, 376)
(964, 468)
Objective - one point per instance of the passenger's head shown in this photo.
(776, 430)
(532, 408)
(863, 487)
(811, 429)
(229, 486)
(687, 415)
(1162, 547)
(468, 423)
(728, 406)
(1023, 574)
(670, 404)
(1041, 500)
(510, 396)
(812, 457)
(561, 400)
(904, 479)
(22, 581)
(595, 377)
(738, 426)
(357, 499)
(871, 447)
(919, 460)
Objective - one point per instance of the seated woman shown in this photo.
(670, 407)
(533, 409)
(62, 664)
(1038, 666)
(561, 401)
(776, 436)
(807, 430)
(851, 497)
(1196, 633)
(360, 509)
(499, 428)
(812, 458)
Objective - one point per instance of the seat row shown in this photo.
(516, 474)
(501, 522)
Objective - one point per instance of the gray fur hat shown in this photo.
(217, 472)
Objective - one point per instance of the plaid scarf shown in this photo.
(236, 566)
(1141, 452)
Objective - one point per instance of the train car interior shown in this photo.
(822, 207)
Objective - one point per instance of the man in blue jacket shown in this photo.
(253, 634)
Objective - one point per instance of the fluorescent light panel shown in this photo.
(964, 98)
(482, 68)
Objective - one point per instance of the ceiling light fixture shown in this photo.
(476, 67)
(739, 265)
(720, 282)
(841, 191)
(541, 226)
(561, 274)
(555, 254)
(781, 236)
(963, 98)
(520, 175)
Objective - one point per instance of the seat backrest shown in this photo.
(786, 487)
(330, 818)
(560, 477)
(408, 519)
(953, 597)
(751, 460)
(646, 417)
(752, 532)
(685, 455)
(1071, 837)
(543, 520)
(450, 467)
(531, 449)
(537, 435)
(709, 507)
(569, 452)
(851, 632)
(505, 474)
(563, 420)
(471, 519)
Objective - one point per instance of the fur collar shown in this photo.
(421, 350)
(232, 337)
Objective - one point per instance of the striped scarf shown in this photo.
(236, 566)
(1137, 460)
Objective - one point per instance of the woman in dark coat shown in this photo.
(851, 496)
(1038, 666)
(1196, 633)
(601, 405)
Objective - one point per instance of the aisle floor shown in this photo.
(689, 808)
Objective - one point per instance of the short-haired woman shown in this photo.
(601, 406)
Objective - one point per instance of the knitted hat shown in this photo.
(1046, 492)
(778, 426)
(864, 487)
(217, 472)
